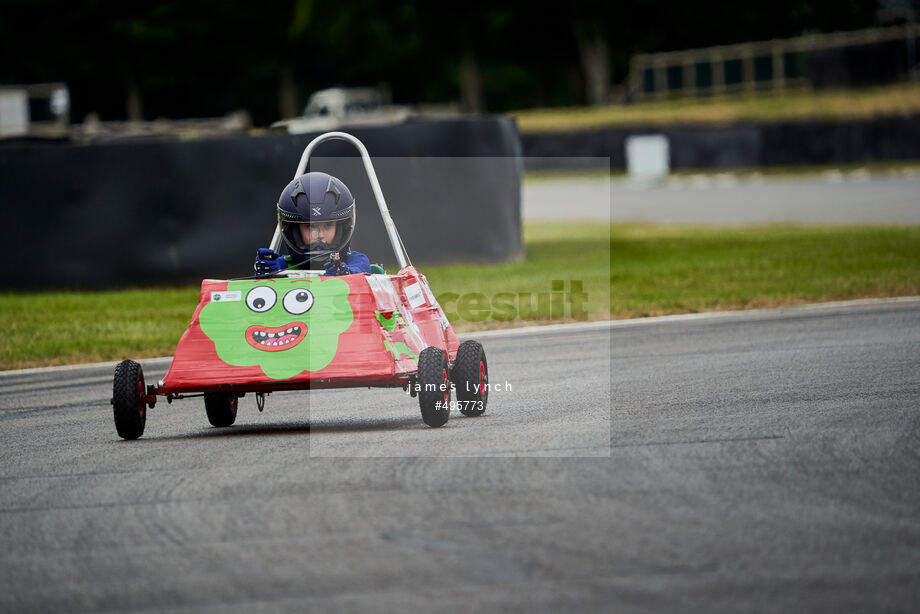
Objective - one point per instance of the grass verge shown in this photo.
(604, 271)
(783, 105)
(661, 270)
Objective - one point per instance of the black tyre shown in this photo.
(434, 386)
(470, 375)
(221, 407)
(128, 392)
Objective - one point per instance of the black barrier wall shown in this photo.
(135, 213)
(737, 145)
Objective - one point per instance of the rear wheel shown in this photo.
(470, 375)
(221, 407)
(434, 386)
(128, 392)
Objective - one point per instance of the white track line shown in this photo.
(146, 362)
(706, 315)
(738, 313)
(550, 328)
(572, 327)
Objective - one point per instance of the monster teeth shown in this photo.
(279, 338)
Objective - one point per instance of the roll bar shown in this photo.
(398, 248)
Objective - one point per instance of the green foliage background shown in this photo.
(210, 57)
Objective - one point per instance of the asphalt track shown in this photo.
(727, 199)
(754, 461)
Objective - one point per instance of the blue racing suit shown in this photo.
(350, 261)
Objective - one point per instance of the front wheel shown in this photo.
(128, 405)
(433, 386)
(221, 407)
(470, 375)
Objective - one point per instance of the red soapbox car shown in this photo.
(302, 330)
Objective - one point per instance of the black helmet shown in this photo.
(313, 198)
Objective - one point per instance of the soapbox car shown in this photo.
(302, 330)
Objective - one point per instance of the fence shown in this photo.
(888, 54)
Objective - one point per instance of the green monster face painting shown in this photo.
(284, 326)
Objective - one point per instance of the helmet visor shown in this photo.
(317, 239)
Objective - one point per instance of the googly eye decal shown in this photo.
(298, 301)
(261, 299)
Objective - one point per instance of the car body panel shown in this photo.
(357, 330)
